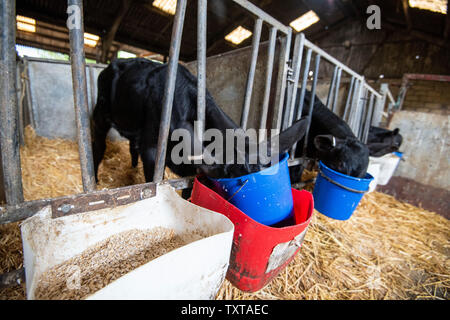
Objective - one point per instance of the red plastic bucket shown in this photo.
(259, 252)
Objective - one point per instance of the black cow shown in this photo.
(130, 99)
(383, 141)
(331, 140)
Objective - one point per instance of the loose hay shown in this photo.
(387, 250)
(108, 260)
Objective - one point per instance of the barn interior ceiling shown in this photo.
(142, 25)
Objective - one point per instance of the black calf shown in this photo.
(130, 100)
(332, 141)
(382, 141)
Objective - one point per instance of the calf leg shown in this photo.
(101, 128)
(295, 173)
(148, 156)
(134, 151)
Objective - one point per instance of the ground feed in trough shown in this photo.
(105, 262)
(387, 250)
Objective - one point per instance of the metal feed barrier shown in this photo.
(361, 105)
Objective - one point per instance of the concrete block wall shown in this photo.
(428, 96)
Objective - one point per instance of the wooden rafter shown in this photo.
(407, 15)
(447, 22)
(109, 38)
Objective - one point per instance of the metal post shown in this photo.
(368, 119)
(282, 75)
(201, 68)
(269, 71)
(362, 114)
(379, 106)
(9, 135)
(77, 59)
(302, 94)
(177, 31)
(251, 72)
(331, 90)
(336, 93)
(313, 98)
(349, 98)
(297, 63)
(359, 87)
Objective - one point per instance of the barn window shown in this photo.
(90, 39)
(304, 21)
(168, 6)
(439, 6)
(238, 35)
(26, 24)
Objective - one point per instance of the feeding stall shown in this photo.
(57, 216)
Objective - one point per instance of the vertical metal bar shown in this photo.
(269, 71)
(331, 90)
(201, 68)
(281, 79)
(302, 94)
(9, 136)
(336, 93)
(368, 119)
(349, 99)
(91, 86)
(77, 60)
(251, 72)
(313, 98)
(362, 114)
(379, 106)
(164, 126)
(30, 97)
(290, 83)
(297, 63)
(355, 104)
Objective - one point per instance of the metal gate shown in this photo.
(361, 102)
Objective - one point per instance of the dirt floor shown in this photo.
(387, 250)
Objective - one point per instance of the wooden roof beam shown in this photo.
(109, 38)
(407, 16)
(447, 22)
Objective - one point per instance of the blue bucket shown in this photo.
(264, 196)
(337, 195)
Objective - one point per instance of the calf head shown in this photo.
(385, 142)
(348, 156)
(246, 161)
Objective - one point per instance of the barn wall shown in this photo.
(226, 79)
(428, 96)
(424, 177)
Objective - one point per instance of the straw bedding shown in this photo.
(387, 250)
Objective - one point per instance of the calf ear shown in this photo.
(324, 143)
(290, 136)
(396, 131)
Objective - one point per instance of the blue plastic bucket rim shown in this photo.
(282, 159)
(369, 179)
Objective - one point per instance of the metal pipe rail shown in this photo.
(356, 112)
(263, 16)
(81, 100)
(9, 134)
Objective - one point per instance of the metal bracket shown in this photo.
(290, 71)
(101, 199)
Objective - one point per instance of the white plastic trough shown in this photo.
(193, 271)
(383, 168)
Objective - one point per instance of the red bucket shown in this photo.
(259, 252)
